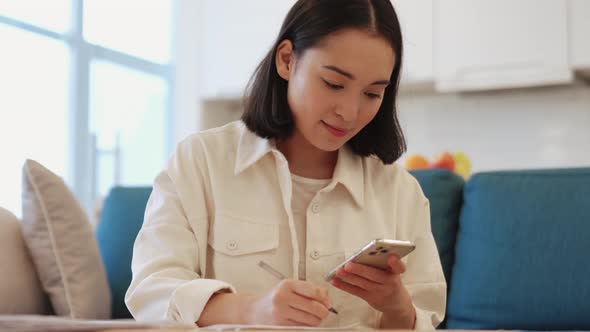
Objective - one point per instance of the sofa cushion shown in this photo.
(120, 221)
(444, 190)
(521, 257)
(20, 289)
(62, 245)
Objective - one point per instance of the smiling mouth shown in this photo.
(338, 132)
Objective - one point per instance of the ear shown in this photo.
(285, 59)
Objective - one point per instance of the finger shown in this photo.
(302, 318)
(358, 281)
(311, 291)
(289, 322)
(396, 265)
(309, 306)
(367, 272)
(356, 291)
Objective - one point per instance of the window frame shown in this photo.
(81, 160)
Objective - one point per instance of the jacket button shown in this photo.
(232, 245)
(315, 208)
(315, 254)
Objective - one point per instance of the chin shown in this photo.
(329, 146)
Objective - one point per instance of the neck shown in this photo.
(305, 159)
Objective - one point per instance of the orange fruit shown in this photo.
(416, 161)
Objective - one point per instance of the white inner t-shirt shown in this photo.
(304, 191)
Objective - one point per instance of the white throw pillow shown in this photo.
(63, 247)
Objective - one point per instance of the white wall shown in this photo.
(510, 129)
(187, 54)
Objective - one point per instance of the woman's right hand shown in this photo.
(292, 303)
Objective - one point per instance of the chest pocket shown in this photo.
(234, 236)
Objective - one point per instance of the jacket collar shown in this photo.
(348, 172)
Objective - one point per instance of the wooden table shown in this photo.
(291, 330)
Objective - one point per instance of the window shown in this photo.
(54, 15)
(33, 108)
(150, 18)
(126, 116)
(86, 89)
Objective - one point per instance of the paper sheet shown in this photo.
(37, 323)
(231, 327)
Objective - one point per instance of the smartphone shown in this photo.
(376, 253)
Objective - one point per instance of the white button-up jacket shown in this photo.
(222, 204)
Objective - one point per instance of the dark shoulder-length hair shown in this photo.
(266, 110)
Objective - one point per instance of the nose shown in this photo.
(349, 108)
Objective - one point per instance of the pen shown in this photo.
(279, 275)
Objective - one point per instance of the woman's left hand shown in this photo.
(383, 290)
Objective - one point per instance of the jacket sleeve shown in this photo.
(168, 253)
(424, 278)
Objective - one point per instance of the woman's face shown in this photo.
(336, 88)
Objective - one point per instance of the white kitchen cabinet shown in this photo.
(234, 37)
(483, 44)
(579, 24)
(415, 18)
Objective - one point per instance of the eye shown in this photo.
(373, 95)
(333, 86)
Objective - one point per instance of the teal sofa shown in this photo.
(514, 246)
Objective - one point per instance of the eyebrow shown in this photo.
(351, 76)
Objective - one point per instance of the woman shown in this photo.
(304, 180)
